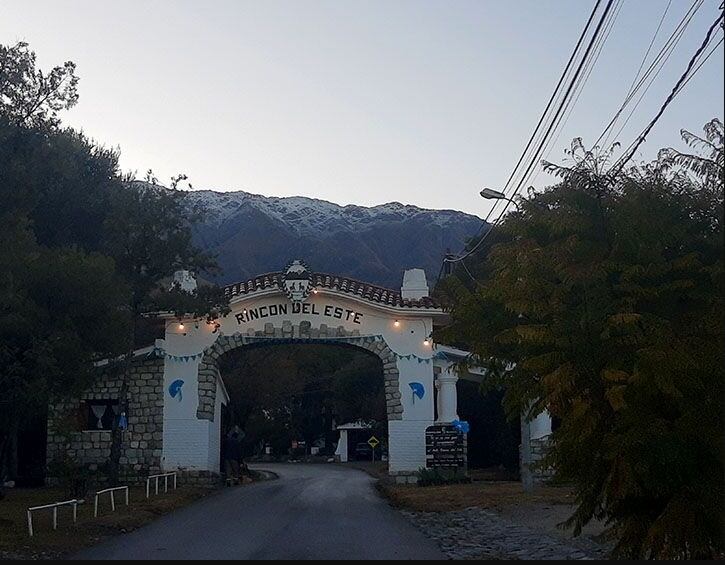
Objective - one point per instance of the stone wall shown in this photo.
(202, 479)
(142, 441)
(539, 448)
(532, 472)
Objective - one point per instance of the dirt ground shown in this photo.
(48, 544)
(541, 510)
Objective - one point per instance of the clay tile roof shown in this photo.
(370, 292)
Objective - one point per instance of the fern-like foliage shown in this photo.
(602, 299)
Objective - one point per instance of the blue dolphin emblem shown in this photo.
(175, 389)
(418, 390)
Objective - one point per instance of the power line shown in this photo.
(556, 90)
(537, 153)
(534, 157)
(649, 48)
(694, 72)
(552, 99)
(684, 79)
(569, 109)
(654, 69)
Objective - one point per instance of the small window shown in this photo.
(100, 414)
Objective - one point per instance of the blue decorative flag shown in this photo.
(462, 427)
(418, 390)
(122, 422)
(175, 389)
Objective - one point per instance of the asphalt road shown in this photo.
(310, 512)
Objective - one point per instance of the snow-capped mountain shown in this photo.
(253, 234)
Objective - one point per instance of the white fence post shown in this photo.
(156, 478)
(54, 507)
(112, 492)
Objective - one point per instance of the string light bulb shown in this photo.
(426, 341)
(396, 323)
(181, 326)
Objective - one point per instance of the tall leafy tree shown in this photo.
(285, 392)
(60, 310)
(65, 195)
(606, 296)
(147, 232)
(29, 96)
(59, 306)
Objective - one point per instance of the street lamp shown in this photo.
(491, 194)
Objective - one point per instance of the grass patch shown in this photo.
(497, 495)
(49, 544)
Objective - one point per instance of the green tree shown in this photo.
(60, 310)
(282, 393)
(68, 191)
(30, 97)
(606, 296)
(148, 234)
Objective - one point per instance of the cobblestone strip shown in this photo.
(475, 533)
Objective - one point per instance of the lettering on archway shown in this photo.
(330, 311)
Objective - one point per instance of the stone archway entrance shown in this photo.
(300, 306)
(176, 390)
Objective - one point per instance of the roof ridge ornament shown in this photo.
(297, 281)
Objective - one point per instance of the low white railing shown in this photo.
(111, 491)
(164, 476)
(55, 507)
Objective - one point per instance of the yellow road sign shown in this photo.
(373, 442)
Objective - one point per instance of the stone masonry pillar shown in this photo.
(534, 436)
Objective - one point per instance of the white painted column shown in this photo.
(447, 396)
(541, 425)
(341, 450)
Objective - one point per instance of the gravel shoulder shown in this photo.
(498, 520)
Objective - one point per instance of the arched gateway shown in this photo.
(176, 389)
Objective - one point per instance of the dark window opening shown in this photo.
(100, 414)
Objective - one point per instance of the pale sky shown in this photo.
(422, 102)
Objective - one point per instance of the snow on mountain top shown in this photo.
(310, 214)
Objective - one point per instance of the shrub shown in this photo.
(437, 477)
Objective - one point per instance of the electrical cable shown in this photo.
(631, 89)
(655, 67)
(551, 101)
(535, 158)
(692, 74)
(569, 109)
(684, 78)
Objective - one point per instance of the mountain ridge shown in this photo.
(253, 234)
